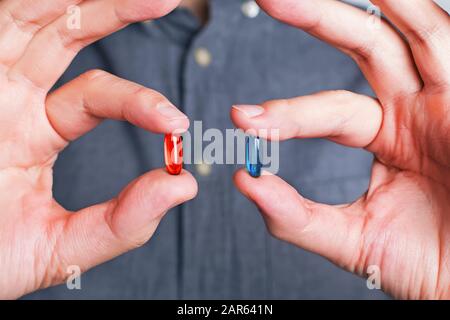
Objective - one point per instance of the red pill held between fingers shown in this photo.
(173, 153)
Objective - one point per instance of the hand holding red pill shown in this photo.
(173, 153)
(38, 123)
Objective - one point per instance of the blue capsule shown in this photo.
(253, 156)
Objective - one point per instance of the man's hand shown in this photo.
(38, 238)
(402, 223)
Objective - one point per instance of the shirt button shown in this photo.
(203, 169)
(203, 57)
(250, 9)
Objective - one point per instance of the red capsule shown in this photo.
(173, 153)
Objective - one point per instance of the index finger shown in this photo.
(83, 103)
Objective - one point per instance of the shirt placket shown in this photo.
(204, 229)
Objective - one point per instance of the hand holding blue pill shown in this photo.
(253, 156)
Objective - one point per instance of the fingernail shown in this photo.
(250, 111)
(170, 112)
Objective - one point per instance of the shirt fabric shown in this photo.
(215, 246)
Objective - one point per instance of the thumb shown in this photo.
(331, 231)
(102, 232)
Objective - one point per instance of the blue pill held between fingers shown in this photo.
(253, 156)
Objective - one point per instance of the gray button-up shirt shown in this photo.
(216, 246)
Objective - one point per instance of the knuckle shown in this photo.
(343, 95)
(139, 241)
(275, 226)
(132, 10)
(373, 46)
(365, 51)
(146, 96)
(95, 74)
(338, 96)
(276, 231)
(295, 12)
(129, 240)
(273, 104)
(65, 37)
(425, 34)
(162, 7)
(274, 9)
